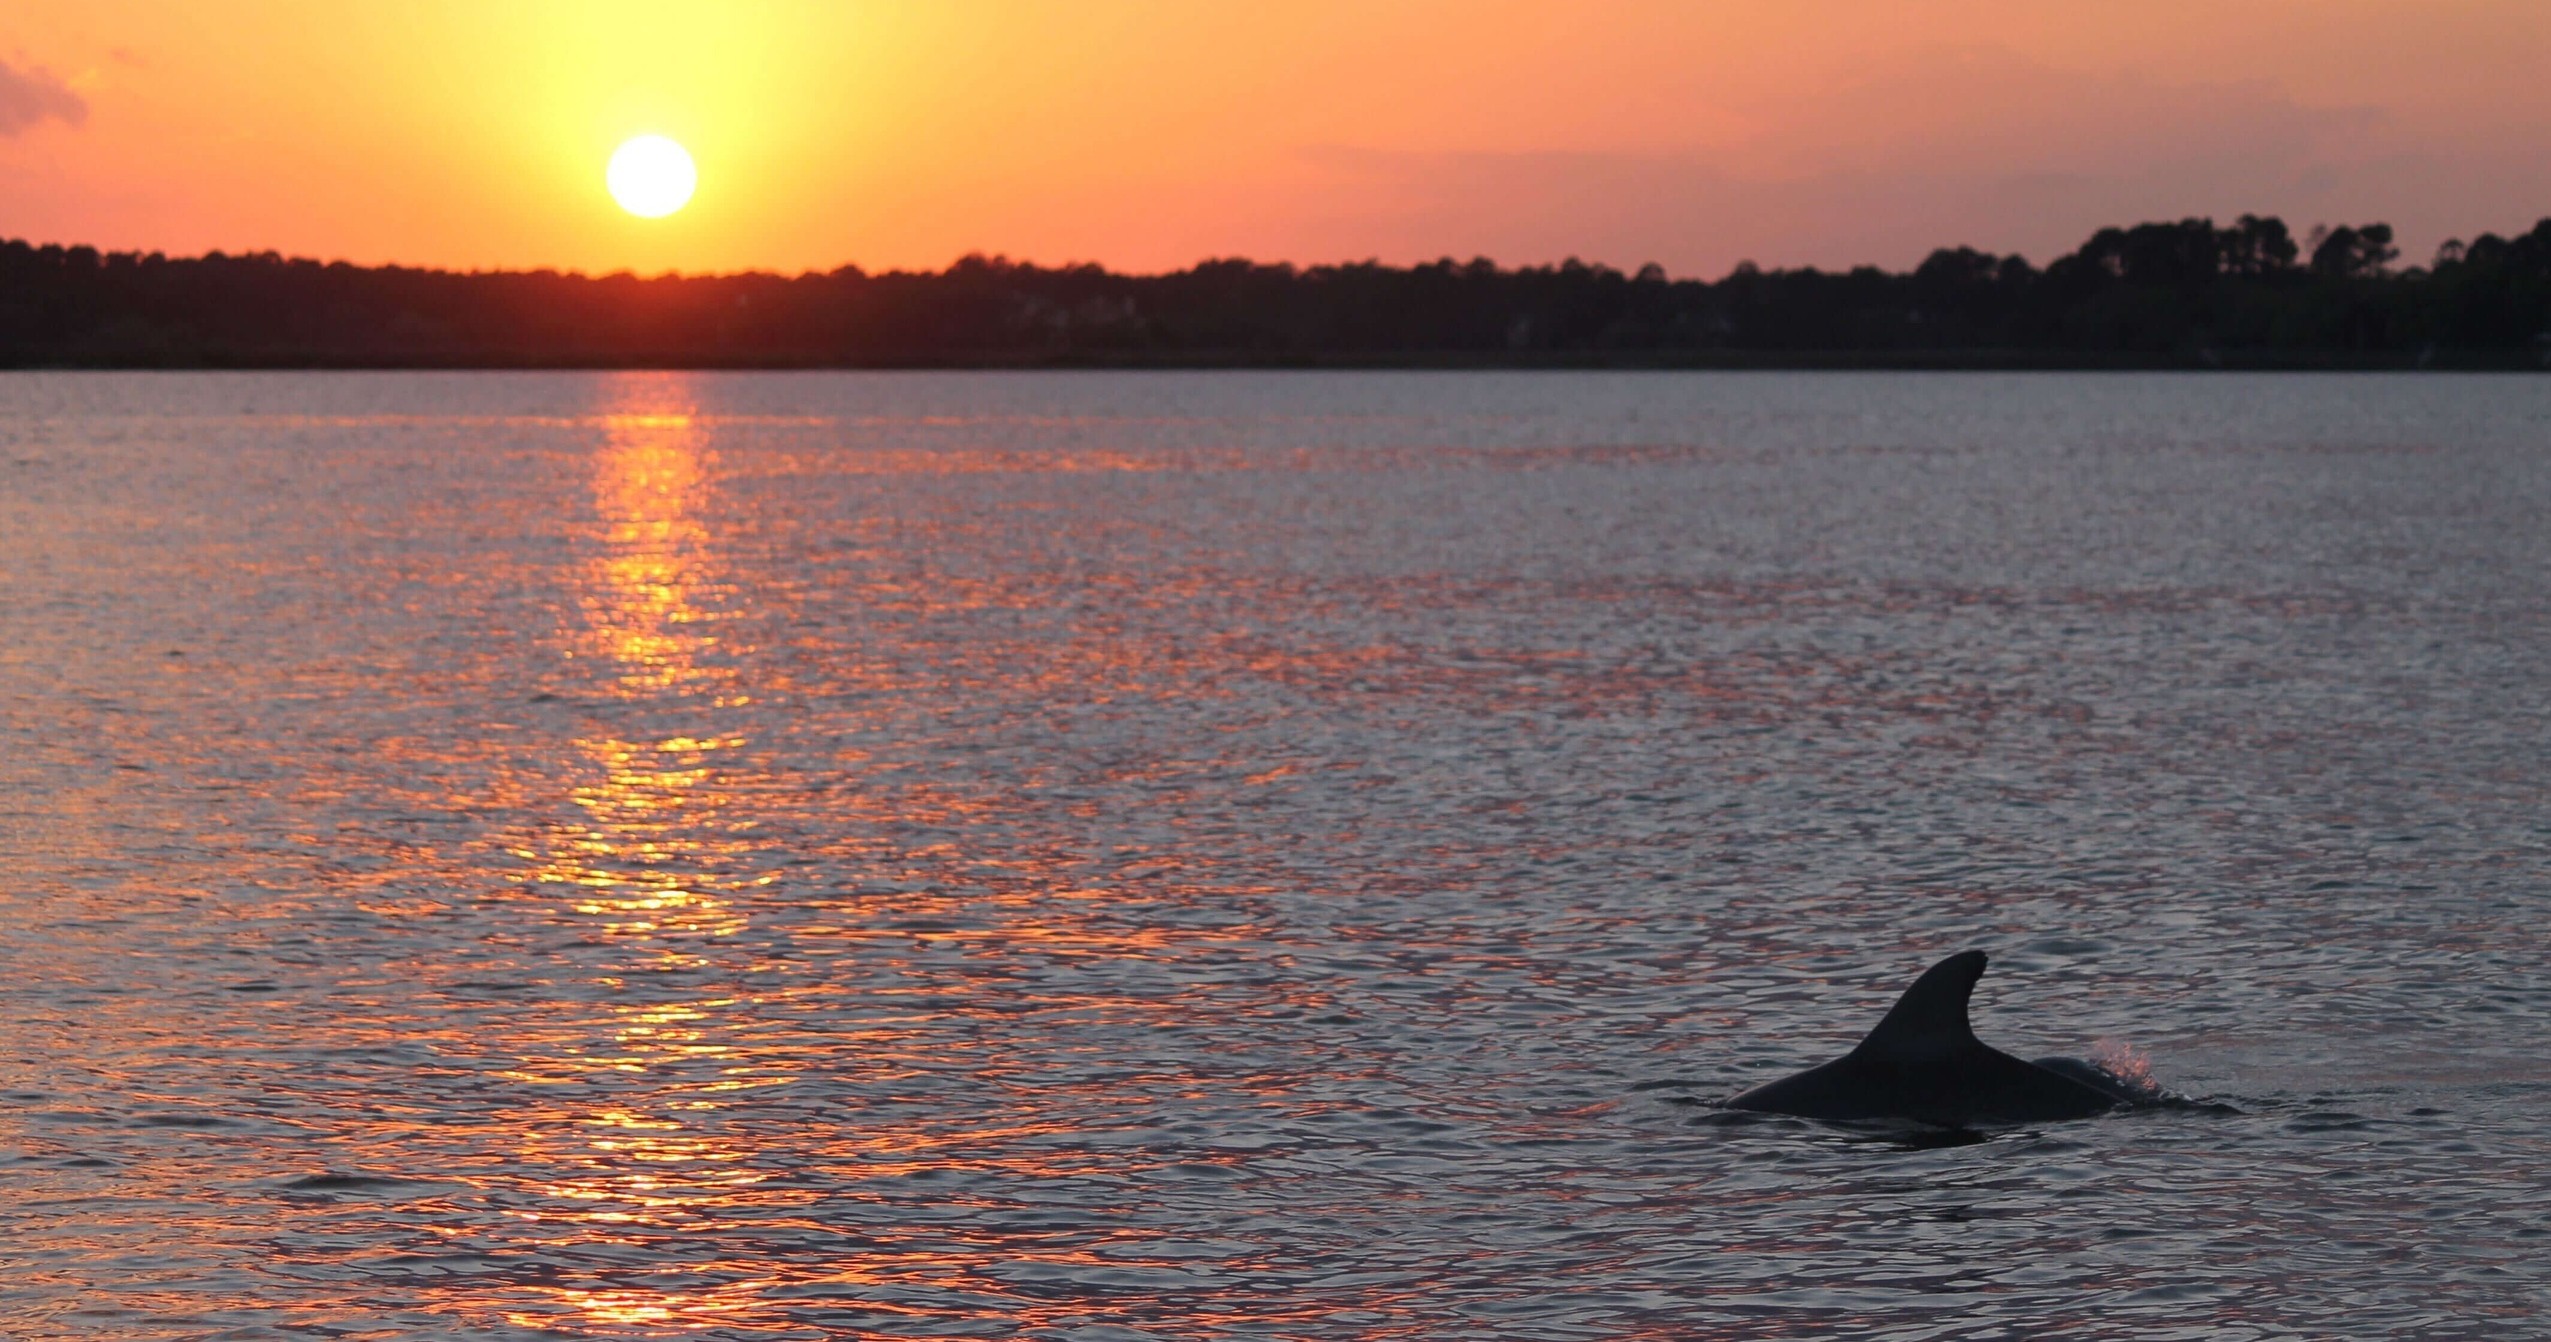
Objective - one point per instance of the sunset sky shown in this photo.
(1147, 134)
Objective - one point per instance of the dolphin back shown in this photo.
(1924, 1063)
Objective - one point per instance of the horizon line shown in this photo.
(1004, 260)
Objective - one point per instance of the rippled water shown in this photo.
(1281, 856)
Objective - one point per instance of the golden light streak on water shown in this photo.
(643, 864)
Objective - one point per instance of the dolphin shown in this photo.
(1923, 1063)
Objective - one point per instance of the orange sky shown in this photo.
(1146, 134)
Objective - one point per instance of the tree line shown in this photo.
(2185, 293)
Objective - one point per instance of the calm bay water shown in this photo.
(635, 856)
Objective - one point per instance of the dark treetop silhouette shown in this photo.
(2163, 294)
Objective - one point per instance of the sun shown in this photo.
(651, 176)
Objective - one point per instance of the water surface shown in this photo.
(1108, 856)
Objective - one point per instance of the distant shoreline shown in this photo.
(2188, 295)
(1646, 361)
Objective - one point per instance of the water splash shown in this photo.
(2131, 1066)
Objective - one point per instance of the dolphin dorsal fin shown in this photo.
(1930, 1019)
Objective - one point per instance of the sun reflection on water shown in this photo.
(650, 862)
(644, 598)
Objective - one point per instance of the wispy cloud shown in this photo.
(32, 96)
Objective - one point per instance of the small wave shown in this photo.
(338, 1181)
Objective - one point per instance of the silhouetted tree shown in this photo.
(2183, 290)
(2345, 252)
(2254, 247)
